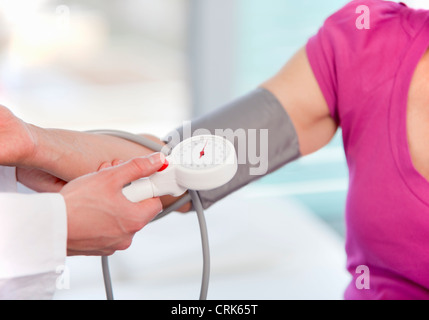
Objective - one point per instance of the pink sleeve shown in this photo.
(322, 60)
(346, 59)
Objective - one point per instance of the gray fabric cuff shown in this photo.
(262, 132)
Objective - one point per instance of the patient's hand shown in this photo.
(17, 143)
(39, 181)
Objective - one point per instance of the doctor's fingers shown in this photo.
(138, 215)
(133, 170)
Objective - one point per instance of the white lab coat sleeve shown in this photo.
(33, 242)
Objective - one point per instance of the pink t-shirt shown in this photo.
(365, 76)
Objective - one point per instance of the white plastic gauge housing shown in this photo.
(199, 163)
(204, 162)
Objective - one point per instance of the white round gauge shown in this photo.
(199, 163)
(204, 162)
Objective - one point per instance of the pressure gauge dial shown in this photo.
(199, 163)
(204, 162)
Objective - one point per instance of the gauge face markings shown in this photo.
(202, 152)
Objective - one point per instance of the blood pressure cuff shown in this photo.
(261, 131)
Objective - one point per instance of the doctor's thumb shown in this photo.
(136, 169)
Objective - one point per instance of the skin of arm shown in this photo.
(70, 154)
(296, 87)
(46, 159)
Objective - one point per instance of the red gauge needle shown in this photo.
(202, 151)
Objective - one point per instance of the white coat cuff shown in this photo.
(33, 234)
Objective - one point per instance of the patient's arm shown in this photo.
(47, 158)
(65, 154)
(70, 154)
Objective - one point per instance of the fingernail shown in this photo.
(157, 159)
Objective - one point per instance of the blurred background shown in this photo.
(148, 65)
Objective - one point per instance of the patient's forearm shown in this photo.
(70, 154)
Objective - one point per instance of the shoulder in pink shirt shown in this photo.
(365, 76)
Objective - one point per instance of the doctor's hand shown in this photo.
(16, 139)
(100, 220)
